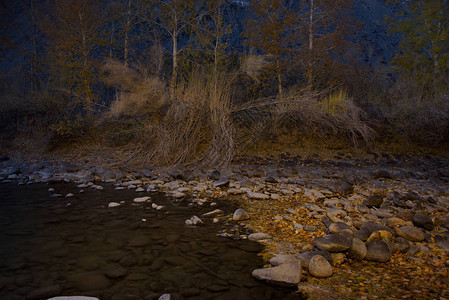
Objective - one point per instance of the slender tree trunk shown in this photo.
(174, 77)
(127, 29)
(310, 62)
(111, 40)
(34, 64)
(279, 76)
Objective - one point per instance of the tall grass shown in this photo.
(194, 126)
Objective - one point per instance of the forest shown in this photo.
(174, 82)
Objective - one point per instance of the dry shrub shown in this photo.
(252, 64)
(419, 121)
(302, 112)
(138, 95)
(193, 127)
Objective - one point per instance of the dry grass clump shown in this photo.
(421, 121)
(302, 112)
(192, 126)
(138, 95)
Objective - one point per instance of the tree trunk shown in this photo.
(310, 62)
(127, 29)
(174, 77)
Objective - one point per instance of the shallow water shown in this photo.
(78, 246)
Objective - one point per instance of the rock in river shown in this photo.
(258, 236)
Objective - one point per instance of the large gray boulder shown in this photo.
(333, 243)
(287, 271)
(423, 221)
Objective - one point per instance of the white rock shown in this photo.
(194, 221)
(141, 199)
(160, 207)
(51, 189)
(179, 195)
(113, 204)
(69, 195)
(139, 189)
(165, 297)
(154, 205)
(119, 188)
(212, 213)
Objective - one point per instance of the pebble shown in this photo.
(240, 215)
(113, 204)
(141, 199)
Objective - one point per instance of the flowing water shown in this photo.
(78, 246)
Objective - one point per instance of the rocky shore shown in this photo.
(325, 222)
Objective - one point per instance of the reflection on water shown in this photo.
(79, 246)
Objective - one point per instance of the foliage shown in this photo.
(424, 48)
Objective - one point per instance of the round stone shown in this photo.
(320, 267)
(378, 251)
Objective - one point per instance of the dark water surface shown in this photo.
(78, 246)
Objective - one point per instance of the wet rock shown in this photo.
(357, 249)
(378, 251)
(165, 297)
(91, 282)
(116, 271)
(410, 233)
(422, 221)
(141, 199)
(288, 273)
(258, 236)
(337, 227)
(320, 267)
(333, 243)
(44, 292)
(113, 204)
(373, 201)
(240, 215)
(139, 241)
(195, 221)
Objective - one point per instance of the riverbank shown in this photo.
(296, 199)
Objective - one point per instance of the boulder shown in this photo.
(333, 243)
(240, 215)
(258, 236)
(320, 267)
(357, 250)
(305, 257)
(410, 233)
(288, 273)
(44, 292)
(423, 221)
(378, 251)
(395, 222)
(337, 227)
(374, 201)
